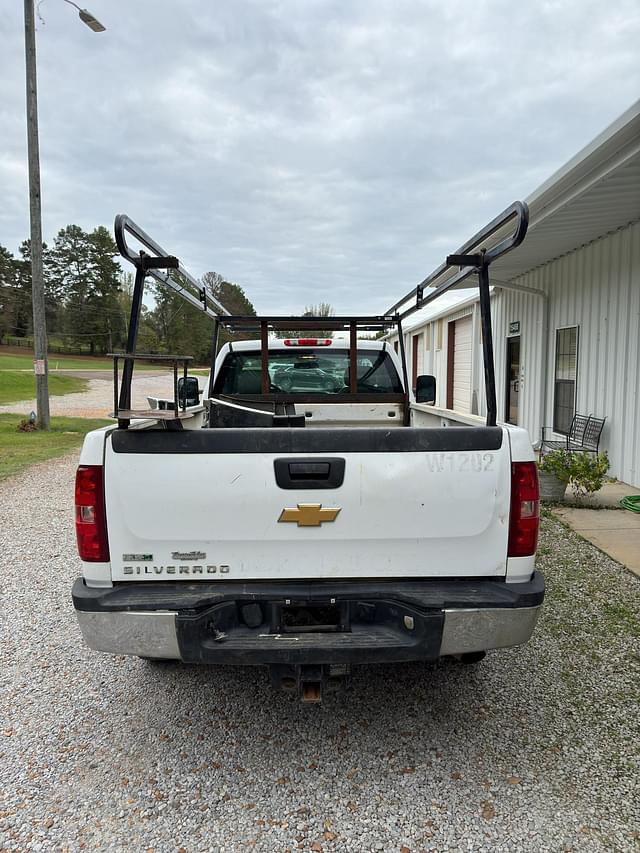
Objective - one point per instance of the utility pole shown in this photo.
(40, 364)
(35, 213)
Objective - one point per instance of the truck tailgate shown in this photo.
(205, 504)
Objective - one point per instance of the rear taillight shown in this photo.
(91, 526)
(525, 509)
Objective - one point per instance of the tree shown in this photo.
(15, 292)
(148, 338)
(181, 328)
(84, 276)
(185, 330)
(232, 296)
(322, 309)
(88, 299)
(11, 301)
(109, 324)
(235, 300)
(52, 295)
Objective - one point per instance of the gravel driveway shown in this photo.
(97, 400)
(534, 749)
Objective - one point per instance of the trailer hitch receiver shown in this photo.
(307, 680)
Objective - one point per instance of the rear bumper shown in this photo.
(264, 623)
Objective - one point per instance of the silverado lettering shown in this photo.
(172, 570)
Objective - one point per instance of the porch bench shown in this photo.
(583, 436)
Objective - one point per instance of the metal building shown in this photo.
(565, 305)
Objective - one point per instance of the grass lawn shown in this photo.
(10, 360)
(18, 450)
(24, 361)
(15, 385)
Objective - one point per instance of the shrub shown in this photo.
(588, 473)
(557, 462)
(26, 425)
(584, 471)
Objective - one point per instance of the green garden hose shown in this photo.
(631, 502)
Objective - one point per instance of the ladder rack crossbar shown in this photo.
(249, 322)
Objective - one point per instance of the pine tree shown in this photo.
(85, 278)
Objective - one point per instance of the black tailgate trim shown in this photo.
(277, 440)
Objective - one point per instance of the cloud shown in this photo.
(317, 151)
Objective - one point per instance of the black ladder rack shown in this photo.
(474, 257)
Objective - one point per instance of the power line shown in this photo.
(16, 300)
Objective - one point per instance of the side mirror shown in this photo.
(188, 391)
(426, 389)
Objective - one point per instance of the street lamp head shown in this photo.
(92, 22)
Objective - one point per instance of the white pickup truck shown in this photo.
(307, 515)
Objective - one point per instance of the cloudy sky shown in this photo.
(311, 150)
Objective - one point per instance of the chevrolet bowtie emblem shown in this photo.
(309, 515)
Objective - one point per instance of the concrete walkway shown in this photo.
(604, 523)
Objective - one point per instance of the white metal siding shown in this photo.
(462, 365)
(596, 288)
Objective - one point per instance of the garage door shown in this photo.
(462, 366)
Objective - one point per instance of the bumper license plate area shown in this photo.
(313, 618)
(309, 631)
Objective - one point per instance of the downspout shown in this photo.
(546, 320)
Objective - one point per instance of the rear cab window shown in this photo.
(312, 370)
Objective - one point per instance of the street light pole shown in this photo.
(35, 209)
(35, 214)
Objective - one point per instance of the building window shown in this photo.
(566, 369)
(439, 334)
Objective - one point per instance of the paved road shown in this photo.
(536, 749)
